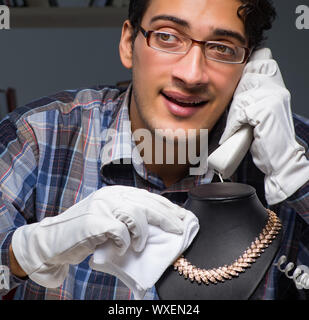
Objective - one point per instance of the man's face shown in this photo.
(165, 85)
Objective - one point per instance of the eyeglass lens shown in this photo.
(219, 51)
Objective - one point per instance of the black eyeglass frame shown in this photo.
(147, 35)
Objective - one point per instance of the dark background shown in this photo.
(290, 47)
(41, 61)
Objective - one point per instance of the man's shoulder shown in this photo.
(301, 125)
(68, 101)
(300, 120)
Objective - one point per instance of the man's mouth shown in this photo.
(183, 100)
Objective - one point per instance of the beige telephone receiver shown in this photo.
(226, 158)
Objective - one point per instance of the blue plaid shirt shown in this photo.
(51, 158)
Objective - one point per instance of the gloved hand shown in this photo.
(262, 100)
(120, 214)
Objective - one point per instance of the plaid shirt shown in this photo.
(51, 157)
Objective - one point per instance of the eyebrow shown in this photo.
(216, 32)
(230, 33)
(179, 21)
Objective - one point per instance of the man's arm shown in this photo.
(262, 100)
(299, 201)
(17, 191)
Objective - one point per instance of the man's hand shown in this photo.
(119, 214)
(262, 100)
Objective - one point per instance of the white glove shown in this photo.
(262, 100)
(45, 249)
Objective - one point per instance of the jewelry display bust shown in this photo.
(231, 219)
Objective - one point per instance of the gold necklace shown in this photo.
(227, 272)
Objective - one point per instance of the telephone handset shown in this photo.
(227, 157)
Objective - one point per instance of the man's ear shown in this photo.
(126, 45)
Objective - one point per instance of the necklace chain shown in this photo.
(227, 272)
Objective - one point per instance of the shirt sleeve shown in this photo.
(18, 172)
(299, 201)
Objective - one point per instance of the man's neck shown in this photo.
(166, 161)
(169, 173)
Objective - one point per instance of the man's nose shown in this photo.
(191, 68)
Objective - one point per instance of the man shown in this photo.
(53, 151)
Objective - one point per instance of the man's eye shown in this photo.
(166, 37)
(223, 49)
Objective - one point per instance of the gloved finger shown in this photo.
(261, 54)
(266, 67)
(246, 83)
(276, 118)
(236, 119)
(116, 231)
(167, 220)
(158, 211)
(254, 87)
(250, 98)
(163, 204)
(259, 76)
(136, 223)
(146, 198)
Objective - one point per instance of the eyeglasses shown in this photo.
(180, 44)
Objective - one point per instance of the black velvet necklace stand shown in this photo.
(231, 217)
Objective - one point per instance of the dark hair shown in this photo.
(137, 9)
(257, 15)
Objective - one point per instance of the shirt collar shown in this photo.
(119, 147)
(117, 138)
